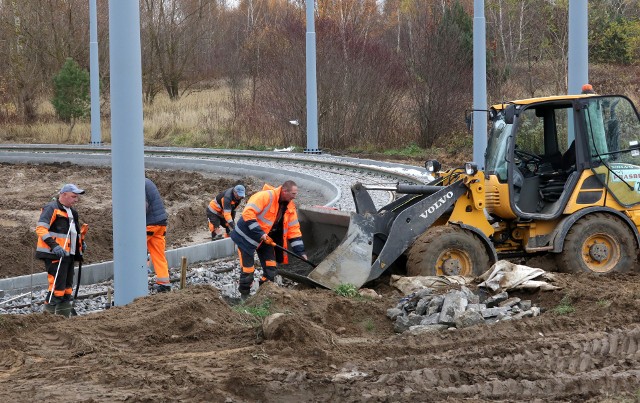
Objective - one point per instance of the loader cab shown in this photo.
(539, 148)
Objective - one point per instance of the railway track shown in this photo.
(327, 177)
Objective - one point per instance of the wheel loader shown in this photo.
(561, 176)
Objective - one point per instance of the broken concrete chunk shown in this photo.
(525, 305)
(454, 304)
(393, 313)
(471, 297)
(435, 305)
(431, 319)
(476, 307)
(469, 318)
(492, 312)
(509, 302)
(421, 307)
(403, 323)
(496, 299)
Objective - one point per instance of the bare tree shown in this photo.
(439, 58)
(174, 29)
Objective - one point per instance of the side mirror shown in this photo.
(468, 119)
(509, 114)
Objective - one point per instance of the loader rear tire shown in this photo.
(447, 251)
(598, 243)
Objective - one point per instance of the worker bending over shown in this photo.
(221, 212)
(269, 218)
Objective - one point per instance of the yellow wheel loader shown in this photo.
(562, 176)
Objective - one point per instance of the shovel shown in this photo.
(83, 232)
(275, 245)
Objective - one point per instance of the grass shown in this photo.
(603, 303)
(347, 290)
(411, 150)
(565, 307)
(261, 311)
(369, 325)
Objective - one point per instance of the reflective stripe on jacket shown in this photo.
(258, 218)
(52, 230)
(224, 205)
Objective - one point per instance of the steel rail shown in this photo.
(392, 171)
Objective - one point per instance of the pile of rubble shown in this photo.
(426, 310)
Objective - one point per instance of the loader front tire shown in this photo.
(598, 243)
(447, 251)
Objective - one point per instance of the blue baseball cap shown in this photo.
(239, 189)
(70, 187)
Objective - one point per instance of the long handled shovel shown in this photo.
(55, 278)
(83, 232)
(275, 245)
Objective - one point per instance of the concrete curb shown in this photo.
(99, 272)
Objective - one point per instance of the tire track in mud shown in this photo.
(525, 368)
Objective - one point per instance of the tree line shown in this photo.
(389, 72)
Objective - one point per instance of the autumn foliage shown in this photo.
(390, 73)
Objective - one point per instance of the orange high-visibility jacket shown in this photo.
(258, 217)
(52, 229)
(224, 205)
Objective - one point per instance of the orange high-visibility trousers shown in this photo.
(156, 244)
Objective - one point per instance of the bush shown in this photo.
(71, 99)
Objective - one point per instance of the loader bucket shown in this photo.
(322, 231)
(340, 243)
(350, 262)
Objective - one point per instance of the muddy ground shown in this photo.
(190, 345)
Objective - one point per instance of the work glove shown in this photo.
(232, 225)
(84, 247)
(267, 239)
(59, 251)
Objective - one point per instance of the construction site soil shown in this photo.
(191, 345)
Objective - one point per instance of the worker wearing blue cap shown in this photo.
(60, 245)
(221, 212)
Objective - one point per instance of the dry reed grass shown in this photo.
(197, 119)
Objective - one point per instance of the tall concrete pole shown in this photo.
(96, 136)
(479, 84)
(578, 57)
(312, 86)
(127, 161)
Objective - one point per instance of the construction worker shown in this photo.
(269, 218)
(156, 231)
(221, 211)
(59, 246)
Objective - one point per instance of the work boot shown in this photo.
(244, 295)
(162, 288)
(50, 306)
(64, 308)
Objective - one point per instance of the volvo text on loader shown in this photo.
(562, 176)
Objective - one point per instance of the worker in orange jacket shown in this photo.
(221, 211)
(60, 244)
(156, 219)
(269, 218)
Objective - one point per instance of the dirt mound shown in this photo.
(189, 345)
